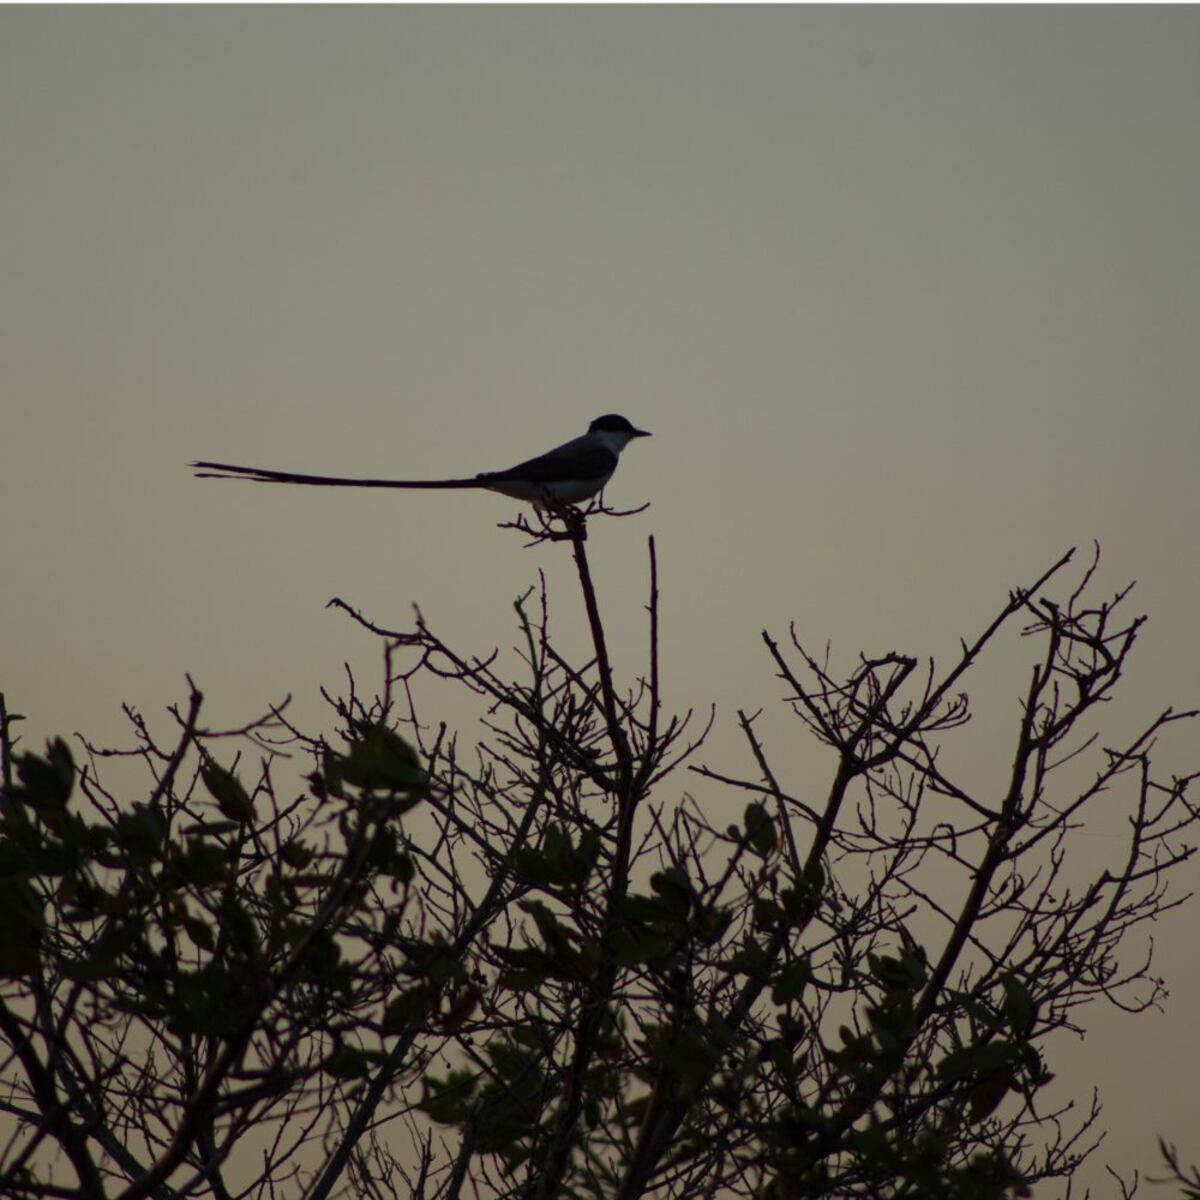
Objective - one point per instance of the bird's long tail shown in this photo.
(216, 470)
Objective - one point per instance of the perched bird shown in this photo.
(577, 470)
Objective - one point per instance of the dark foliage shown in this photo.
(539, 969)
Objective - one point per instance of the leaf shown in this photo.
(297, 854)
(199, 932)
(892, 1024)
(641, 910)
(791, 981)
(47, 781)
(902, 974)
(675, 889)
(632, 945)
(710, 923)
(22, 923)
(205, 1002)
(760, 830)
(557, 863)
(514, 1063)
(387, 857)
(378, 760)
(103, 961)
(692, 1059)
(323, 956)
(987, 1093)
(237, 926)
(751, 959)
(460, 1007)
(767, 914)
(101, 965)
(413, 1004)
(447, 1100)
(977, 1060)
(534, 867)
(634, 1111)
(554, 933)
(560, 855)
(140, 833)
(204, 864)
(402, 869)
(780, 1055)
(347, 1063)
(1019, 1008)
(227, 791)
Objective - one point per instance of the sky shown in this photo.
(909, 298)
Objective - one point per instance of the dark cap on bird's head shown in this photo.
(612, 423)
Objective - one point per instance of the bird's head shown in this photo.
(617, 431)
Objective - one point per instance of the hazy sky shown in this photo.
(910, 299)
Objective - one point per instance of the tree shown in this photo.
(541, 968)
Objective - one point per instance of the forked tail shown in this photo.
(216, 470)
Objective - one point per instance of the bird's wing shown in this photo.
(216, 470)
(577, 459)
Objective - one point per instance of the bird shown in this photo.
(575, 471)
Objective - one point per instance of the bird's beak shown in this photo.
(641, 433)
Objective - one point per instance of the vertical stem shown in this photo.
(615, 732)
(548, 1183)
(5, 747)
